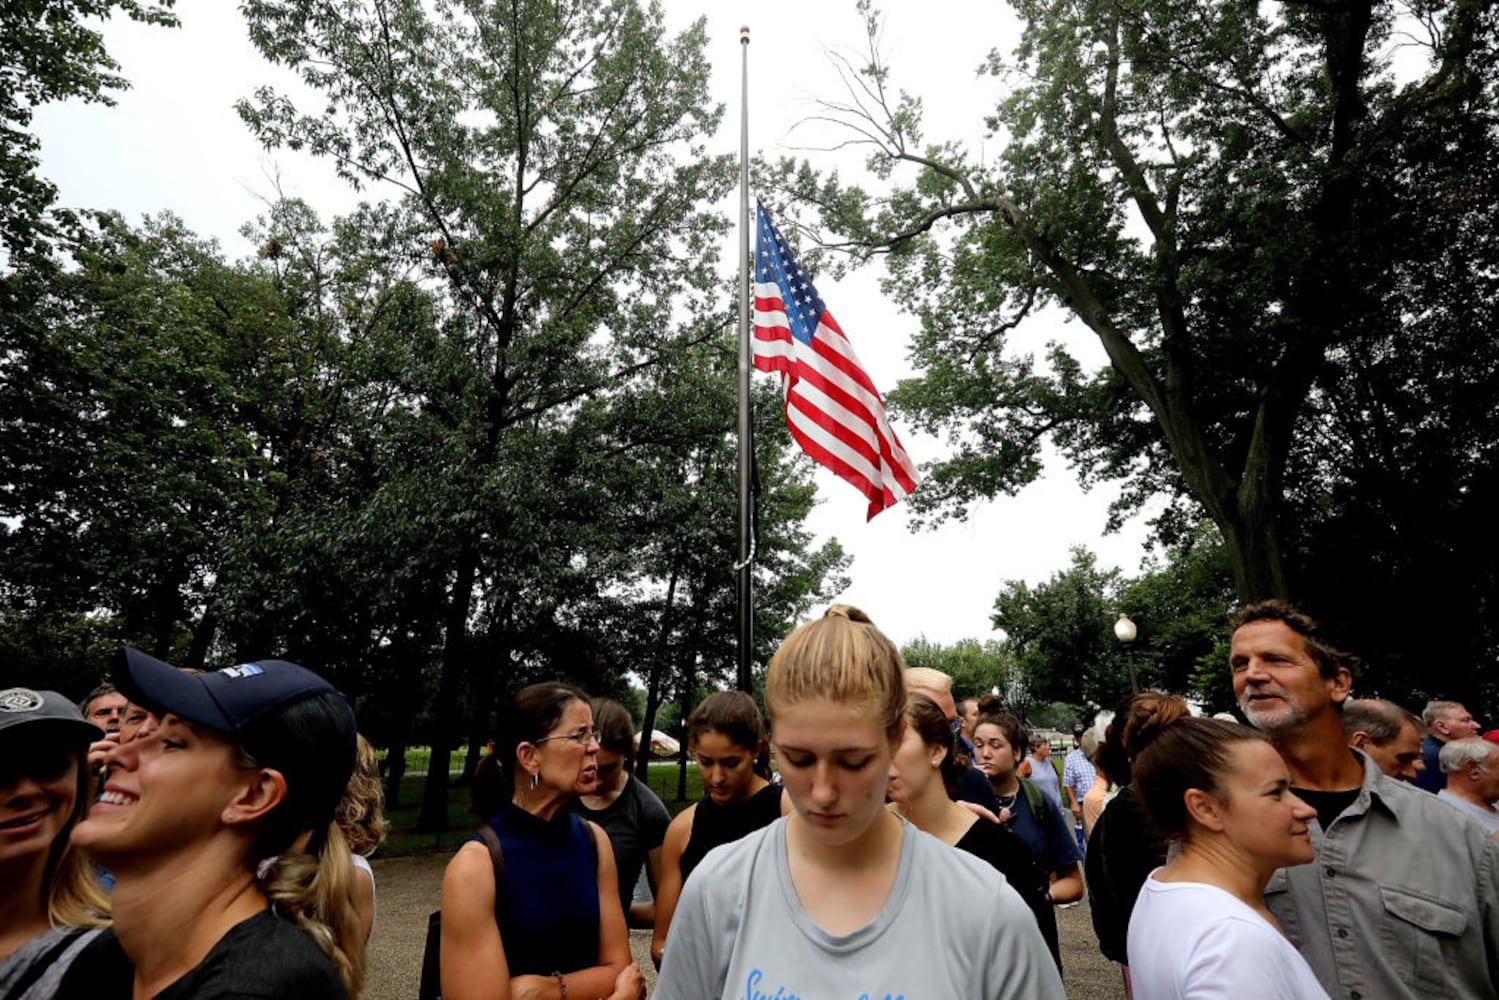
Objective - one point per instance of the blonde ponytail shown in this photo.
(315, 892)
(74, 898)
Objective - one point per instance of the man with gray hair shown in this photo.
(1472, 769)
(1447, 720)
(1403, 900)
(1387, 734)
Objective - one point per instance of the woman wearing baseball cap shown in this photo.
(47, 888)
(242, 762)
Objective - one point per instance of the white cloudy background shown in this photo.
(174, 142)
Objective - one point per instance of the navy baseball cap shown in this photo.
(44, 713)
(260, 706)
(225, 701)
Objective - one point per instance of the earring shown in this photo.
(936, 763)
(231, 817)
(534, 779)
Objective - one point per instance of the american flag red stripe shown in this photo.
(833, 409)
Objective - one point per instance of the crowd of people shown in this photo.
(205, 834)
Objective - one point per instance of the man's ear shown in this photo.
(1340, 685)
(255, 799)
(1358, 740)
(1203, 808)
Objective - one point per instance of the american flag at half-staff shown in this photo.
(832, 408)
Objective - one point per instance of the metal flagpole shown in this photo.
(746, 606)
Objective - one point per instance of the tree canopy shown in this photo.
(473, 434)
(1277, 222)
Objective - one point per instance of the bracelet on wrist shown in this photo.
(562, 984)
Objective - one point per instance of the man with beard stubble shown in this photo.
(1402, 903)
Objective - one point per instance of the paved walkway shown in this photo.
(408, 890)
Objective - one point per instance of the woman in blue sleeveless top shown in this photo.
(553, 927)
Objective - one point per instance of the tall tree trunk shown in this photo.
(689, 687)
(479, 727)
(434, 814)
(395, 767)
(655, 680)
(208, 626)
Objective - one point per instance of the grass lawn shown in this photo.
(403, 839)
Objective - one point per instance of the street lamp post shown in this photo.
(1126, 633)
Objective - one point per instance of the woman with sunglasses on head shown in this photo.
(48, 893)
(727, 739)
(626, 809)
(552, 927)
(843, 898)
(1200, 928)
(923, 773)
(235, 766)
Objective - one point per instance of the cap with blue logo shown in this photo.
(225, 701)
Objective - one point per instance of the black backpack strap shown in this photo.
(496, 854)
(431, 979)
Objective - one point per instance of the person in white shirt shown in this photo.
(1200, 928)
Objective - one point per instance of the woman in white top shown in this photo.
(1200, 929)
(843, 898)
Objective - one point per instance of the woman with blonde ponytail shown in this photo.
(200, 819)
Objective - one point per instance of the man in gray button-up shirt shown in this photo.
(1403, 898)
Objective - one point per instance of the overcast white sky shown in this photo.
(174, 142)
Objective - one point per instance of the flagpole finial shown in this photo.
(744, 34)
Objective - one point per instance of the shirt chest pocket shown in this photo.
(1421, 935)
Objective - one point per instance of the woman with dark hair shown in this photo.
(626, 809)
(553, 926)
(923, 774)
(998, 747)
(1125, 846)
(238, 764)
(727, 738)
(844, 898)
(49, 892)
(1200, 927)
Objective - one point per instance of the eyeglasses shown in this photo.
(582, 737)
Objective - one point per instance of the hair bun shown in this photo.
(1150, 714)
(991, 704)
(847, 611)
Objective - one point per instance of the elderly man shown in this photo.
(1472, 769)
(1401, 903)
(1447, 720)
(968, 713)
(973, 786)
(1387, 734)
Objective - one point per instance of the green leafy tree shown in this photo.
(552, 151)
(50, 51)
(1248, 207)
(122, 402)
(976, 667)
(1060, 634)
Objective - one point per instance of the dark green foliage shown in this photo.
(1278, 222)
(49, 51)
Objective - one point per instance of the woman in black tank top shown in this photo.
(727, 738)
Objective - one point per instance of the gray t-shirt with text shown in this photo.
(740, 933)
